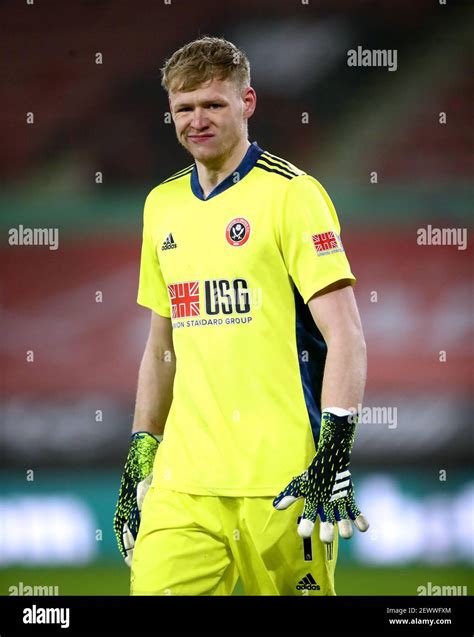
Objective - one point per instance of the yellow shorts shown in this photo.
(200, 545)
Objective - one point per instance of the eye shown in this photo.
(183, 109)
(215, 106)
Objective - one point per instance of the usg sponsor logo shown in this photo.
(221, 296)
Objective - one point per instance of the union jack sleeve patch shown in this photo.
(327, 243)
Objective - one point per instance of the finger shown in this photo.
(127, 538)
(289, 495)
(129, 558)
(283, 502)
(353, 510)
(326, 532)
(344, 527)
(305, 528)
(128, 544)
(142, 488)
(311, 510)
(344, 524)
(361, 523)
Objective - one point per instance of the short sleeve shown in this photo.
(152, 289)
(310, 238)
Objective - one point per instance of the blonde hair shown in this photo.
(202, 60)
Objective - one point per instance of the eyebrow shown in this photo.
(212, 100)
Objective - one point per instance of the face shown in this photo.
(212, 120)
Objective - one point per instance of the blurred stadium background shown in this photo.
(67, 414)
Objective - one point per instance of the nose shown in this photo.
(199, 120)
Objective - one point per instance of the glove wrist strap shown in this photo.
(337, 431)
(144, 434)
(338, 411)
(141, 455)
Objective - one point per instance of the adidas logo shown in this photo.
(343, 481)
(308, 583)
(168, 243)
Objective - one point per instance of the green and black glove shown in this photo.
(136, 480)
(326, 485)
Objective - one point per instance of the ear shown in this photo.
(249, 98)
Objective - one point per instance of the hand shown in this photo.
(136, 480)
(326, 485)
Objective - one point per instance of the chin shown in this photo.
(206, 153)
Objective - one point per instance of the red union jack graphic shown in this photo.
(184, 299)
(327, 242)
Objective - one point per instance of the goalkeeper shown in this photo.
(254, 360)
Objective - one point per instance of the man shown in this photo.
(254, 329)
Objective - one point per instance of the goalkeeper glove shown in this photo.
(136, 479)
(326, 485)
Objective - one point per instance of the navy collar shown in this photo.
(248, 162)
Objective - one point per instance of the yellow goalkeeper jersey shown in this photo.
(234, 272)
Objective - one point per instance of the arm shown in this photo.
(327, 484)
(154, 398)
(335, 313)
(155, 378)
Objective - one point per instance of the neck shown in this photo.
(210, 175)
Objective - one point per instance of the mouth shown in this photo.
(199, 139)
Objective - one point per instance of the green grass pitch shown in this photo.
(112, 579)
